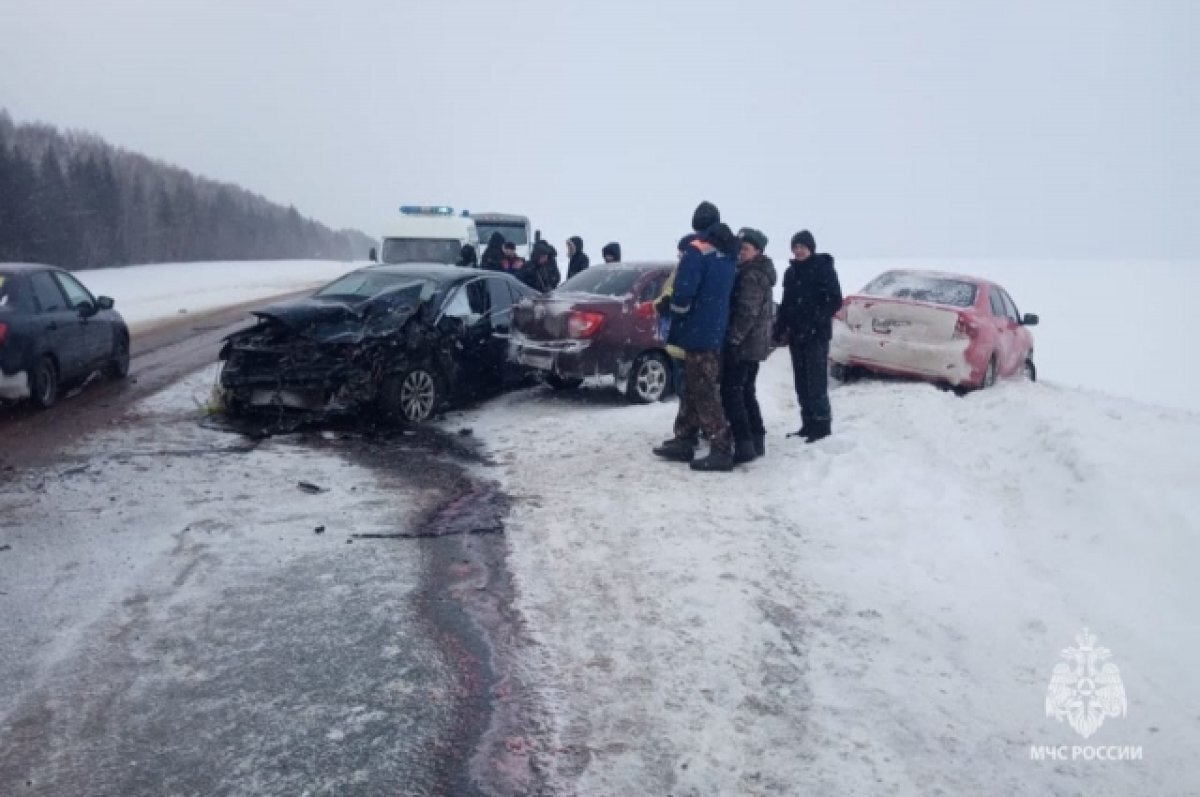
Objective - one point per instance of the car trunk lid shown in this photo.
(898, 319)
(549, 317)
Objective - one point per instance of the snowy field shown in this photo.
(162, 291)
(877, 614)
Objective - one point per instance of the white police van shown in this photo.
(426, 234)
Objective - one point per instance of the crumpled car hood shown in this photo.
(336, 321)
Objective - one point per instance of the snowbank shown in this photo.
(876, 614)
(160, 291)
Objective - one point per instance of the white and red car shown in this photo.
(947, 328)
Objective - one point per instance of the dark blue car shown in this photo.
(54, 332)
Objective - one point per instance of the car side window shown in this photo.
(996, 302)
(468, 302)
(652, 288)
(499, 296)
(49, 296)
(1010, 307)
(77, 295)
(477, 295)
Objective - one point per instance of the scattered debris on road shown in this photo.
(311, 489)
(319, 530)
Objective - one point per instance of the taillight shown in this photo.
(584, 324)
(3, 332)
(965, 328)
(645, 310)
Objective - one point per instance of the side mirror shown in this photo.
(1030, 320)
(86, 309)
(372, 255)
(105, 303)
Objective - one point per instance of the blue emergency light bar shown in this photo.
(427, 210)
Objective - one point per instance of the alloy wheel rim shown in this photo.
(417, 396)
(651, 380)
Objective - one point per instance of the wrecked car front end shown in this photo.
(326, 357)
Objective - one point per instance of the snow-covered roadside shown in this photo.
(879, 613)
(161, 291)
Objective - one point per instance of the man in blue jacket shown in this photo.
(699, 318)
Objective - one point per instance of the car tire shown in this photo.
(118, 365)
(43, 384)
(990, 375)
(412, 396)
(649, 378)
(563, 382)
(845, 373)
(1030, 369)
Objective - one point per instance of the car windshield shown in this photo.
(367, 283)
(513, 233)
(421, 250)
(603, 281)
(922, 288)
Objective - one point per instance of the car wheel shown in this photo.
(118, 365)
(845, 373)
(989, 376)
(43, 388)
(563, 383)
(1030, 369)
(649, 378)
(413, 396)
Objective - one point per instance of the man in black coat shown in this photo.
(541, 272)
(811, 295)
(493, 254)
(611, 252)
(578, 261)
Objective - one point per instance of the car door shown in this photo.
(468, 303)
(1022, 341)
(502, 296)
(58, 325)
(1004, 337)
(97, 332)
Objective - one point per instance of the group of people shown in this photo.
(719, 309)
(541, 271)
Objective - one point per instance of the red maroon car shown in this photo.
(947, 328)
(601, 322)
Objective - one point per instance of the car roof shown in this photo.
(500, 218)
(437, 271)
(20, 268)
(638, 265)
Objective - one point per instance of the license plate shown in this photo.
(544, 362)
(280, 398)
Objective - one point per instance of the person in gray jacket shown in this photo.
(748, 343)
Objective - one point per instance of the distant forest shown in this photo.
(72, 200)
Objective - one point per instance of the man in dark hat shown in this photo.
(467, 257)
(577, 260)
(611, 252)
(493, 254)
(699, 318)
(811, 295)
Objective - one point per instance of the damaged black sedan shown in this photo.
(397, 341)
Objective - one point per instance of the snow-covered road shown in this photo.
(878, 613)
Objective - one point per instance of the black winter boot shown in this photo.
(677, 449)
(743, 451)
(818, 430)
(804, 431)
(760, 445)
(716, 460)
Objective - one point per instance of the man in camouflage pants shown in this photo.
(699, 318)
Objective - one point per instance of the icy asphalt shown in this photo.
(190, 611)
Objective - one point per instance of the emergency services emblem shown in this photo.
(1086, 687)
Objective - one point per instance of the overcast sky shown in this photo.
(890, 128)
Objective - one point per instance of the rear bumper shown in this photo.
(573, 359)
(942, 362)
(14, 387)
